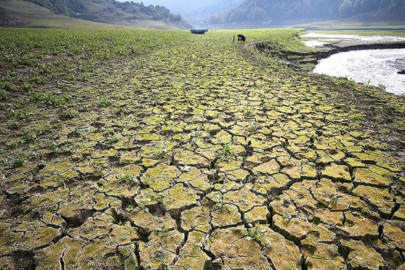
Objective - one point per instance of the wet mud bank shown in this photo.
(307, 60)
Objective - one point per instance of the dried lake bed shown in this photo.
(150, 150)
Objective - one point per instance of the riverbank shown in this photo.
(329, 45)
(382, 112)
(380, 68)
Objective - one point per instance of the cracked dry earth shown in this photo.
(212, 162)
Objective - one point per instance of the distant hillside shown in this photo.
(197, 13)
(18, 12)
(287, 12)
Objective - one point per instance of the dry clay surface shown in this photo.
(205, 160)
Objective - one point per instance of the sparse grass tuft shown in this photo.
(162, 153)
(4, 95)
(226, 154)
(65, 114)
(126, 178)
(254, 233)
(21, 161)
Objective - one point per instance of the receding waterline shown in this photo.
(373, 67)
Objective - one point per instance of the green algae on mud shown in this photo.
(180, 146)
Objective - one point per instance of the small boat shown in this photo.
(199, 31)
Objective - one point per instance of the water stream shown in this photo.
(374, 67)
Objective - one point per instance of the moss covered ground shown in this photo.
(130, 149)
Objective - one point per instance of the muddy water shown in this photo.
(374, 67)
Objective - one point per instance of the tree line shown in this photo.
(264, 10)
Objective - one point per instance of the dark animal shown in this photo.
(402, 72)
(241, 38)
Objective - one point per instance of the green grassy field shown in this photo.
(141, 149)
